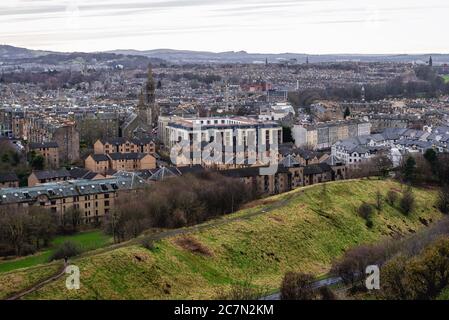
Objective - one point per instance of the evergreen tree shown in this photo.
(347, 113)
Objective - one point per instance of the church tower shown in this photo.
(140, 124)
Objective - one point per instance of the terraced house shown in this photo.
(102, 163)
(124, 145)
(94, 198)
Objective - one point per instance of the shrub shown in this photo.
(365, 210)
(66, 250)
(243, 291)
(379, 201)
(369, 223)
(297, 286)
(326, 293)
(148, 243)
(392, 197)
(408, 201)
(443, 199)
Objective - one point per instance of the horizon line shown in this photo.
(233, 51)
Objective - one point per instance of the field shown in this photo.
(446, 78)
(303, 231)
(86, 240)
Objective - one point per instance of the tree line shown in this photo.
(24, 231)
(175, 203)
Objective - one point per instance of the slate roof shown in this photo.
(81, 173)
(100, 157)
(289, 161)
(52, 174)
(317, 168)
(64, 189)
(121, 140)
(8, 177)
(126, 156)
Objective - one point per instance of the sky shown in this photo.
(262, 26)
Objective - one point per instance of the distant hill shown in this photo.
(12, 53)
(186, 56)
(17, 56)
(292, 231)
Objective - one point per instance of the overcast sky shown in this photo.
(266, 26)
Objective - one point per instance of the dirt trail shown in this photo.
(39, 285)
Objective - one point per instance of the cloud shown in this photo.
(221, 25)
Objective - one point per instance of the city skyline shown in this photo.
(267, 26)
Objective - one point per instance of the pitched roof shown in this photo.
(81, 173)
(164, 173)
(289, 161)
(52, 174)
(195, 169)
(127, 156)
(317, 168)
(62, 189)
(99, 157)
(8, 177)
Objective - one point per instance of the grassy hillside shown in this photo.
(302, 231)
(89, 240)
(16, 281)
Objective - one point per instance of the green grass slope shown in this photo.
(302, 234)
(87, 241)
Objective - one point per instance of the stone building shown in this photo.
(94, 198)
(45, 176)
(222, 142)
(324, 135)
(140, 124)
(102, 163)
(125, 145)
(9, 180)
(48, 150)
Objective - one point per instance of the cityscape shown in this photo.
(197, 174)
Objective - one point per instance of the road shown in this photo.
(316, 285)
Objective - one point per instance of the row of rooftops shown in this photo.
(220, 123)
(400, 136)
(118, 156)
(123, 140)
(71, 188)
(314, 126)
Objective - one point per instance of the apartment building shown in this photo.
(278, 182)
(102, 163)
(94, 198)
(222, 142)
(124, 145)
(41, 177)
(288, 176)
(48, 150)
(324, 135)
